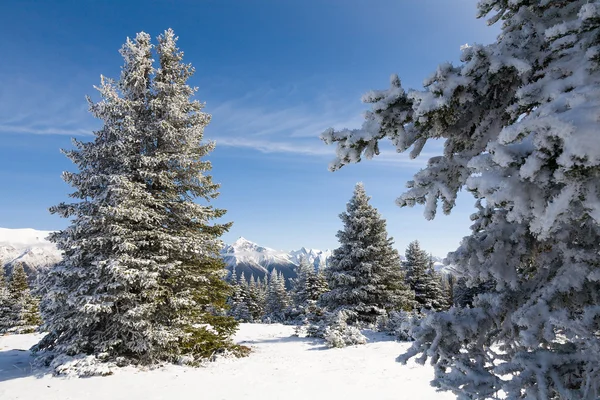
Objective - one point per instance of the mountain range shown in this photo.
(31, 248)
(251, 259)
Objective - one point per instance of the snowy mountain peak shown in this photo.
(243, 243)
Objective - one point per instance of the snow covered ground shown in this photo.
(281, 367)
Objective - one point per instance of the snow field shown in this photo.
(281, 366)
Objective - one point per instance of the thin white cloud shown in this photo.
(267, 146)
(269, 122)
(269, 128)
(318, 149)
(44, 130)
(39, 108)
(259, 120)
(272, 117)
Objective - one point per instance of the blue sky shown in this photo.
(274, 74)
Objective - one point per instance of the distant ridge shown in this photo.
(31, 248)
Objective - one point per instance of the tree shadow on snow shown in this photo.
(15, 364)
(375, 336)
(318, 344)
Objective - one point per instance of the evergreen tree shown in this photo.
(141, 269)
(25, 307)
(240, 300)
(18, 285)
(247, 302)
(317, 286)
(256, 298)
(424, 280)
(434, 292)
(277, 299)
(7, 318)
(519, 123)
(231, 276)
(417, 276)
(309, 284)
(448, 286)
(365, 274)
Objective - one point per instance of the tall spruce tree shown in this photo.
(26, 313)
(18, 281)
(519, 120)
(417, 274)
(240, 299)
(435, 293)
(365, 274)
(141, 268)
(257, 298)
(448, 286)
(6, 304)
(277, 299)
(424, 280)
(309, 284)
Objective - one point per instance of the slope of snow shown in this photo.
(280, 367)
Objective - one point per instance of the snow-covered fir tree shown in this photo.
(18, 281)
(19, 308)
(141, 268)
(6, 304)
(437, 297)
(277, 299)
(448, 285)
(25, 306)
(240, 299)
(365, 274)
(309, 284)
(247, 301)
(257, 291)
(417, 276)
(423, 280)
(519, 119)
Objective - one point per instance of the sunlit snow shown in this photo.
(281, 366)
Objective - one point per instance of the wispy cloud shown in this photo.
(44, 131)
(272, 127)
(275, 116)
(269, 121)
(268, 146)
(38, 108)
(266, 120)
(319, 149)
